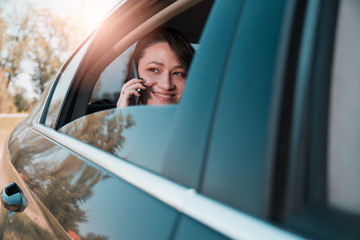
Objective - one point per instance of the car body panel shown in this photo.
(74, 192)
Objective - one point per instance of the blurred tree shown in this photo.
(63, 186)
(3, 27)
(6, 102)
(22, 104)
(93, 236)
(3, 92)
(48, 47)
(11, 54)
(35, 37)
(14, 33)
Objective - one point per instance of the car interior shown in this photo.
(99, 79)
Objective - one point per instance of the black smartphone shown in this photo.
(136, 75)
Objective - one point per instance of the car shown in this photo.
(264, 143)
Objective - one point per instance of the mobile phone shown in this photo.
(136, 75)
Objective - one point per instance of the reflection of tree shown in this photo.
(63, 185)
(53, 110)
(60, 187)
(102, 130)
(16, 231)
(92, 236)
(62, 190)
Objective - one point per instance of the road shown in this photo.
(7, 122)
(13, 115)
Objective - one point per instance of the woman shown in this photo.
(161, 59)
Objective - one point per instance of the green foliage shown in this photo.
(24, 229)
(14, 32)
(22, 104)
(61, 190)
(6, 103)
(93, 236)
(64, 186)
(111, 123)
(37, 37)
(49, 41)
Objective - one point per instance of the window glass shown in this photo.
(344, 135)
(138, 135)
(109, 84)
(62, 85)
(35, 114)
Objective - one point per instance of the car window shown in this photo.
(108, 86)
(114, 36)
(137, 134)
(35, 114)
(62, 84)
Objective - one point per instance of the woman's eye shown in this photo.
(153, 70)
(180, 74)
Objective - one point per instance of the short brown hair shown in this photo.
(177, 42)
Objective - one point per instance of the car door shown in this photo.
(281, 149)
(234, 179)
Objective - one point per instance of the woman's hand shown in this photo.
(128, 89)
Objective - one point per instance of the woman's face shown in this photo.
(163, 74)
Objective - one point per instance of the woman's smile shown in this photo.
(163, 96)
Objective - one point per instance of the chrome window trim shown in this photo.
(142, 179)
(81, 52)
(44, 109)
(229, 222)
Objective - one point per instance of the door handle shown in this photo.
(13, 198)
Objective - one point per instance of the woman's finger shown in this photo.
(130, 88)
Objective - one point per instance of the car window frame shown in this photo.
(74, 106)
(140, 31)
(53, 87)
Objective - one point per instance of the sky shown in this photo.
(92, 12)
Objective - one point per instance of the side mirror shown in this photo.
(13, 198)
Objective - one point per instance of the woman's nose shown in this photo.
(165, 82)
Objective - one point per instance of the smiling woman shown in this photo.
(161, 60)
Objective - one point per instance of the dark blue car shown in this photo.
(264, 144)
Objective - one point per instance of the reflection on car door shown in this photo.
(83, 199)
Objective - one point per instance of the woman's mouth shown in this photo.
(163, 96)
